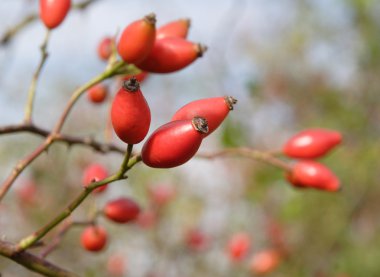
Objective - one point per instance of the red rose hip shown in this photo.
(130, 113)
(313, 175)
(174, 143)
(214, 110)
(265, 261)
(105, 48)
(93, 238)
(171, 54)
(178, 28)
(53, 12)
(311, 143)
(97, 93)
(122, 210)
(137, 39)
(238, 246)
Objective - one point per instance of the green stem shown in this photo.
(117, 68)
(36, 236)
(36, 75)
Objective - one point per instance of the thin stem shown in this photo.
(14, 30)
(36, 75)
(36, 236)
(124, 165)
(249, 153)
(117, 68)
(32, 262)
(69, 140)
(77, 93)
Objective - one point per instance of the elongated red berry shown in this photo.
(174, 143)
(95, 173)
(94, 238)
(311, 143)
(178, 28)
(238, 246)
(161, 194)
(130, 113)
(137, 39)
(105, 48)
(53, 12)
(97, 94)
(311, 174)
(122, 210)
(171, 54)
(214, 110)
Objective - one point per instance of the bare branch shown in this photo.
(32, 262)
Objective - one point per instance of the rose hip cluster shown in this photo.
(308, 145)
(121, 210)
(175, 142)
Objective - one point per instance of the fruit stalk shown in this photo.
(36, 75)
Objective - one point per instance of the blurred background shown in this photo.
(292, 64)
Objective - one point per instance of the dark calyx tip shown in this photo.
(200, 124)
(201, 49)
(230, 102)
(150, 18)
(131, 85)
(187, 21)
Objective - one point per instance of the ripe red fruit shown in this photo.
(94, 173)
(94, 238)
(178, 28)
(105, 48)
(171, 54)
(97, 93)
(264, 262)
(312, 174)
(122, 210)
(130, 113)
(311, 143)
(174, 143)
(214, 110)
(238, 246)
(53, 12)
(137, 39)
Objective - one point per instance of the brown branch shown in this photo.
(14, 30)
(70, 140)
(32, 262)
(249, 153)
(115, 69)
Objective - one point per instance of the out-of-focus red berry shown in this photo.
(105, 48)
(27, 192)
(311, 143)
(311, 174)
(238, 246)
(264, 262)
(122, 210)
(94, 238)
(97, 94)
(196, 240)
